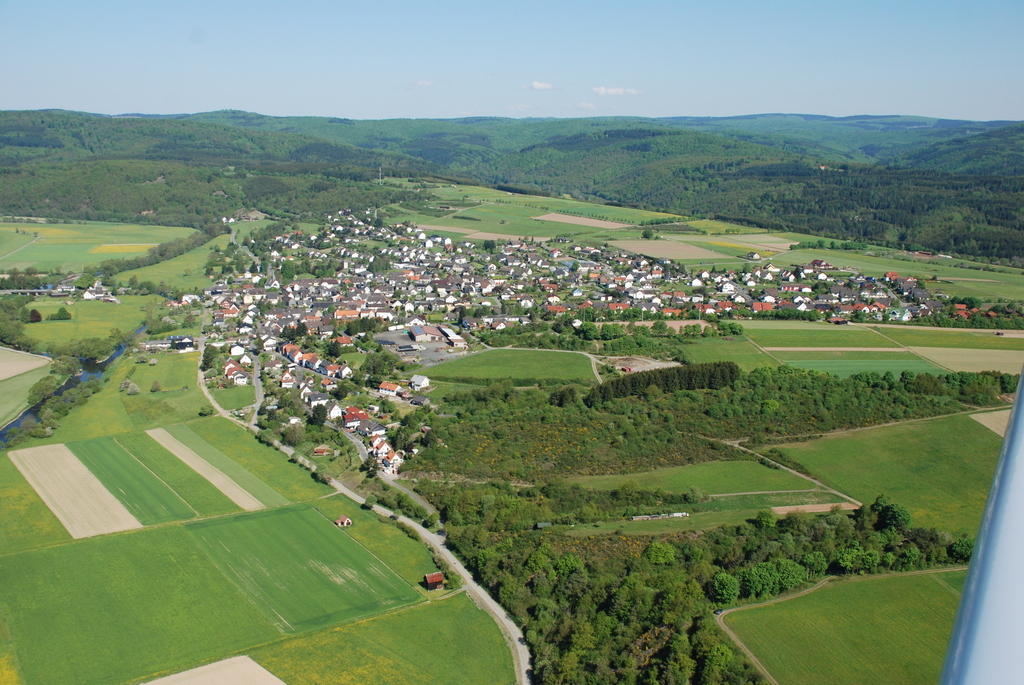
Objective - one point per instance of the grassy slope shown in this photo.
(940, 469)
(229, 467)
(892, 629)
(119, 607)
(713, 478)
(193, 488)
(14, 393)
(451, 641)
(235, 398)
(518, 364)
(143, 494)
(271, 466)
(185, 271)
(25, 520)
(301, 571)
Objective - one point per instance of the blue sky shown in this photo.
(392, 58)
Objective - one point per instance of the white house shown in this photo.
(419, 382)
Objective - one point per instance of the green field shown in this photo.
(25, 520)
(198, 492)
(148, 498)
(179, 398)
(918, 336)
(712, 478)
(235, 398)
(89, 318)
(845, 364)
(876, 629)
(522, 364)
(186, 271)
(715, 227)
(267, 495)
(698, 521)
(451, 642)
(940, 469)
(299, 569)
(270, 466)
(120, 607)
(69, 247)
(717, 350)
(815, 335)
(408, 558)
(14, 393)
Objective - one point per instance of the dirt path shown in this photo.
(812, 508)
(720, 618)
(20, 248)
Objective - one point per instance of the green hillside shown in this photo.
(999, 152)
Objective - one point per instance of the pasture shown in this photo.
(518, 364)
(940, 469)
(187, 271)
(874, 629)
(422, 645)
(235, 398)
(25, 520)
(299, 569)
(747, 355)
(199, 493)
(14, 393)
(266, 463)
(121, 607)
(69, 247)
(142, 493)
(89, 318)
(178, 398)
(711, 478)
(815, 335)
(961, 359)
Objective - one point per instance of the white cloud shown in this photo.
(603, 90)
(538, 85)
(587, 105)
(423, 84)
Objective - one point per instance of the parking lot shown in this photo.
(430, 354)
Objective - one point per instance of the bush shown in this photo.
(156, 387)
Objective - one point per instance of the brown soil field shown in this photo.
(668, 249)
(812, 508)
(451, 229)
(239, 670)
(581, 221)
(1006, 361)
(233, 490)
(74, 495)
(14, 363)
(994, 420)
(755, 242)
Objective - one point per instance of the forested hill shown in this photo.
(995, 153)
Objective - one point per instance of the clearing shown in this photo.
(217, 478)
(239, 670)
(711, 478)
(74, 495)
(940, 469)
(872, 629)
(524, 367)
(299, 569)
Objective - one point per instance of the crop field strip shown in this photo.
(996, 421)
(25, 520)
(239, 670)
(119, 608)
(14, 393)
(717, 477)
(72, 492)
(14, 363)
(872, 629)
(235, 492)
(149, 499)
(299, 569)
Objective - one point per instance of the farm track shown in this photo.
(720, 618)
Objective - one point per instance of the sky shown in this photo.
(377, 59)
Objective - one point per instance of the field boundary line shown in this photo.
(906, 347)
(737, 445)
(763, 492)
(764, 350)
(155, 476)
(21, 248)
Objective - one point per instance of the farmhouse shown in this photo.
(343, 522)
(434, 581)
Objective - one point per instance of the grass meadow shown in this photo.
(89, 318)
(289, 480)
(299, 569)
(712, 478)
(695, 521)
(198, 492)
(816, 335)
(875, 629)
(845, 364)
(256, 487)
(120, 607)
(449, 641)
(235, 398)
(718, 350)
(25, 520)
(940, 469)
(148, 498)
(185, 271)
(69, 247)
(918, 336)
(498, 364)
(14, 393)
(409, 558)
